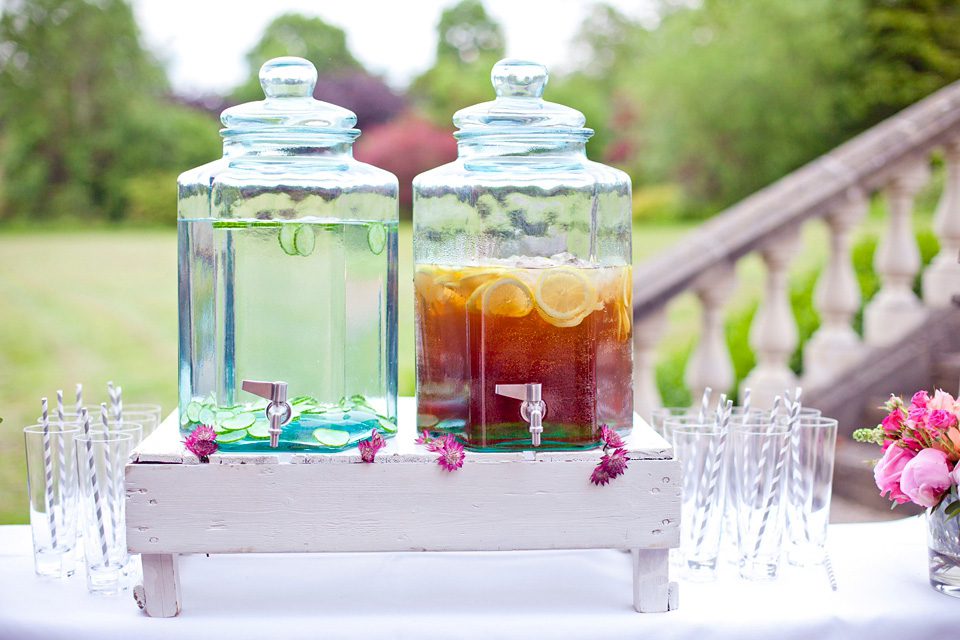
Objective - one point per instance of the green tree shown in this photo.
(913, 50)
(469, 43)
(82, 110)
(293, 34)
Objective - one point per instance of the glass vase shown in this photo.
(943, 548)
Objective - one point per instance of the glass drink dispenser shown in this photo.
(287, 278)
(523, 278)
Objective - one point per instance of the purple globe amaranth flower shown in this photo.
(202, 442)
(611, 465)
(451, 452)
(370, 446)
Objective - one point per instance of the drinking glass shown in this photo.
(101, 458)
(760, 453)
(810, 485)
(52, 491)
(699, 445)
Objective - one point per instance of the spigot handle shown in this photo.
(278, 411)
(532, 409)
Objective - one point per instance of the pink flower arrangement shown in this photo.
(921, 450)
(370, 446)
(450, 450)
(202, 442)
(611, 464)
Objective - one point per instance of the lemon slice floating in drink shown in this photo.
(506, 296)
(564, 296)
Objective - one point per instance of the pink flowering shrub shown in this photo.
(921, 450)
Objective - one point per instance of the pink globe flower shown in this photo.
(925, 477)
(369, 447)
(888, 471)
(202, 442)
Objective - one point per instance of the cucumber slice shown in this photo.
(303, 400)
(193, 411)
(218, 429)
(239, 421)
(304, 240)
(231, 436)
(222, 415)
(377, 238)
(184, 419)
(387, 425)
(230, 224)
(287, 239)
(206, 416)
(259, 430)
(331, 437)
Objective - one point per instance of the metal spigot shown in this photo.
(278, 410)
(532, 409)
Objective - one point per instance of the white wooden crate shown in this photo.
(405, 501)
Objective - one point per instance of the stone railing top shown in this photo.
(859, 166)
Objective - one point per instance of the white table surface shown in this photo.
(880, 567)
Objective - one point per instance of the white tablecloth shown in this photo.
(881, 569)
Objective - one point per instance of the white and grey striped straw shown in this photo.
(746, 406)
(774, 485)
(704, 402)
(61, 448)
(830, 575)
(111, 501)
(97, 501)
(796, 477)
(116, 405)
(713, 474)
(48, 473)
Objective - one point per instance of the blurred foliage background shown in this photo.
(702, 104)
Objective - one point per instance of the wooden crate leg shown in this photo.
(159, 595)
(652, 590)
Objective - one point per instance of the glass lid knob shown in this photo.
(519, 78)
(288, 77)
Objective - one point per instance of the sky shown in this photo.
(202, 43)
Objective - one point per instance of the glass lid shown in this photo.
(289, 106)
(519, 107)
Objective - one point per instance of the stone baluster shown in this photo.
(895, 309)
(835, 345)
(773, 335)
(710, 364)
(646, 334)
(941, 280)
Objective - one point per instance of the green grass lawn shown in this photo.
(94, 306)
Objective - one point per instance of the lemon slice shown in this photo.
(473, 302)
(507, 296)
(473, 278)
(628, 287)
(563, 294)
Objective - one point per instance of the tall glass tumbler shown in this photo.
(101, 458)
(812, 455)
(760, 453)
(52, 490)
(699, 445)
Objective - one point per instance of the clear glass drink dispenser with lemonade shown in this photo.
(523, 278)
(287, 278)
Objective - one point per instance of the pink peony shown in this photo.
(943, 400)
(611, 466)
(925, 477)
(920, 400)
(888, 470)
(939, 421)
(202, 442)
(370, 446)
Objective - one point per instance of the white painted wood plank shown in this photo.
(652, 590)
(399, 507)
(161, 586)
(165, 446)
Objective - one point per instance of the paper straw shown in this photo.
(746, 406)
(723, 421)
(61, 450)
(796, 478)
(830, 575)
(119, 410)
(116, 405)
(768, 504)
(97, 501)
(79, 398)
(111, 501)
(48, 473)
(704, 401)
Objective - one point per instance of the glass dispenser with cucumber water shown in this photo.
(287, 278)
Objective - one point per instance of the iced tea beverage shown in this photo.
(559, 322)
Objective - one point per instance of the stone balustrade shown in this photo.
(892, 158)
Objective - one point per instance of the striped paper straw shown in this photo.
(796, 477)
(765, 448)
(48, 473)
(746, 406)
(97, 501)
(61, 449)
(111, 501)
(713, 475)
(116, 405)
(118, 411)
(774, 485)
(704, 401)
